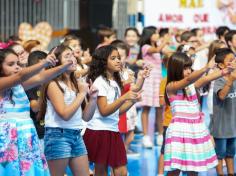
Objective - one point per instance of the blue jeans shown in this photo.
(225, 148)
(62, 143)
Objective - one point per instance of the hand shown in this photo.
(93, 91)
(71, 62)
(167, 39)
(211, 64)
(133, 96)
(142, 74)
(140, 63)
(83, 87)
(231, 66)
(131, 77)
(51, 59)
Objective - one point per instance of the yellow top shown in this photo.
(167, 108)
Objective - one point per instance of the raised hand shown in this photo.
(145, 72)
(131, 77)
(167, 39)
(93, 91)
(211, 64)
(231, 66)
(83, 87)
(133, 96)
(51, 58)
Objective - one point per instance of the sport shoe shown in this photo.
(131, 153)
(147, 143)
(159, 139)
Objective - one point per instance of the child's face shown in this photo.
(76, 48)
(10, 65)
(193, 41)
(228, 59)
(22, 54)
(123, 55)
(154, 37)
(114, 62)
(187, 71)
(66, 56)
(131, 38)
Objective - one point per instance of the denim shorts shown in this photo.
(63, 143)
(225, 148)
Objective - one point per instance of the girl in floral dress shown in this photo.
(19, 144)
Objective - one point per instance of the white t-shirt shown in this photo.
(111, 91)
(201, 59)
(52, 119)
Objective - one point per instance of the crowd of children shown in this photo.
(68, 107)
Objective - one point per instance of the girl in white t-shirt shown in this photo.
(102, 138)
(65, 107)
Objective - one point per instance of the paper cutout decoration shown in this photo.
(41, 32)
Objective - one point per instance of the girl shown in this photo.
(74, 43)
(21, 53)
(64, 98)
(131, 38)
(34, 94)
(128, 120)
(19, 145)
(102, 138)
(188, 145)
(151, 55)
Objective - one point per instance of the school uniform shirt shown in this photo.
(111, 90)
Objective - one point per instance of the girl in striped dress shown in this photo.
(20, 153)
(188, 145)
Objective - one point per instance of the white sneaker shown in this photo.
(131, 153)
(159, 139)
(147, 143)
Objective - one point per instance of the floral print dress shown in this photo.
(20, 153)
